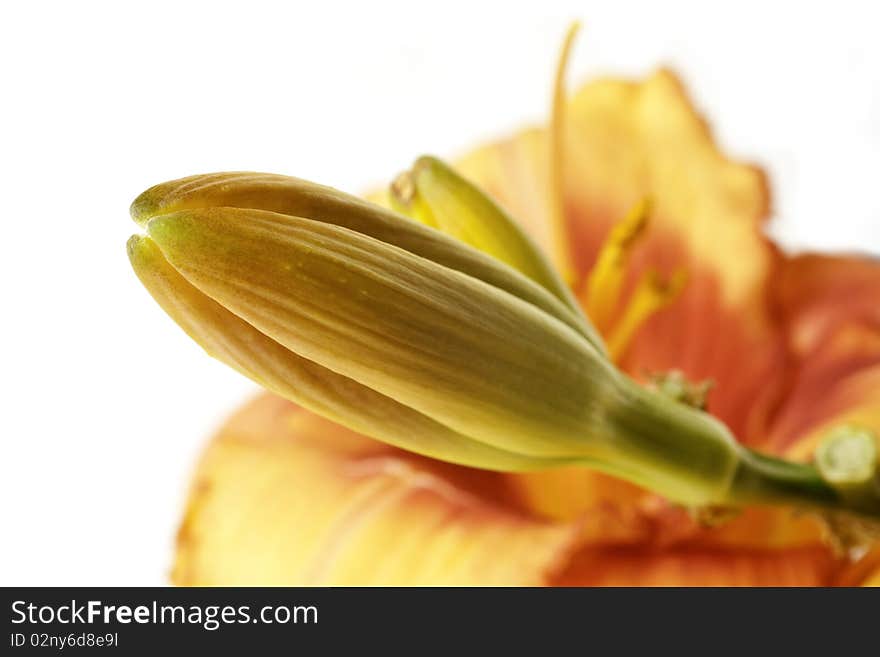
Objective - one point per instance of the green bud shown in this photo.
(410, 336)
(448, 345)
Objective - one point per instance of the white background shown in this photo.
(105, 403)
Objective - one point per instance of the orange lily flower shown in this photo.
(687, 291)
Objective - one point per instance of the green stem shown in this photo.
(762, 479)
(691, 458)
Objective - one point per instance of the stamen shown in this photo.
(605, 283)
(651, 295)
(556, 201)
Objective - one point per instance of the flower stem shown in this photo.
(689, 457)
(762, 479)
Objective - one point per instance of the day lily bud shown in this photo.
(446, 344)
(410, 336)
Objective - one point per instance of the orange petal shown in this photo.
(864, 572)
(699, 567)
(283, 497)
(608, 510)
(627, 141)
(764, 528)
(832, 322)
(647, 140)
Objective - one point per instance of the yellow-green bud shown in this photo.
(411, 336)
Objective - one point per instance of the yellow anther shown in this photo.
(603, 288)
(651, 295)
(556, 196)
